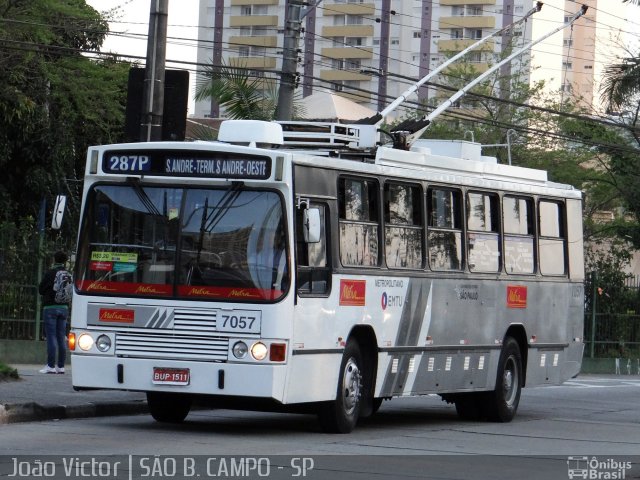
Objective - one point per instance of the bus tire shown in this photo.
(501, 404)
(168, 407)
(341, 414)
(469, 406)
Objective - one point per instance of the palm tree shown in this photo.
(621, 81)
(241, 93)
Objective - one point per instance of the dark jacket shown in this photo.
(46, 287)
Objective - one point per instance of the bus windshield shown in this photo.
(224, 244)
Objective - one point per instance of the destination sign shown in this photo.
(189, 163)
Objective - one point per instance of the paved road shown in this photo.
(592, 417)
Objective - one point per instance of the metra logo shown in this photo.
(516, 296)
(116, 315)
(148, 290)
(241, 293)
(200, 291)
(352, 292)
(93, 286)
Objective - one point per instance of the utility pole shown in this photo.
(284, 109)
(153, 92)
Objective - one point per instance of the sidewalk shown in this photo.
(38, 396)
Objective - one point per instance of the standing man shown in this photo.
(55, 315)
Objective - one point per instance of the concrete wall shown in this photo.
(23, 352)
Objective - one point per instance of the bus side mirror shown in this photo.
(58, 212)
(311, 225)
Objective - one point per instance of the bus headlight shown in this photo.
(103, 343)
(259, 351)
(240, 350)
(85, 342)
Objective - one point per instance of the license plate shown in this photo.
(171, 376)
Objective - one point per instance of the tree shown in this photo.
(243, 95)
(54, 102)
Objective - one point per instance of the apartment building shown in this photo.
(363, 50)
(574, 62)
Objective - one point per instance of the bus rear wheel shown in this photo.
(501, 404)
(341, 415)
(168, 407)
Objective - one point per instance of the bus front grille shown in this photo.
(174, 347)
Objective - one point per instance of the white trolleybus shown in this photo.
(305, 266)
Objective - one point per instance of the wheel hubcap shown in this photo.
(351, 386)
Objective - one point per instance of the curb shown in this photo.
(32, 411)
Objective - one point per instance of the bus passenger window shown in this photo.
(519, 248)
(358, 203)
(403, 226)
(552, 238)
(444, 231)
(483, 236)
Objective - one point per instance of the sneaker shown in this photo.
(48, 369)
(59, 369)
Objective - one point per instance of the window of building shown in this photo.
(519, 247)
(355, 41)
(444, 229)
(355, 20)
(474, 10)
(403, 225)
(483, 232)
(395, 41)
(552, 238)
(456, 33)
(359, 223)
(245, 10)
(417, 34)
(567, 65)
(260, 9)
(588, 67)
(457, 10)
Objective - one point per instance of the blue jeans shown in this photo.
(55, 328)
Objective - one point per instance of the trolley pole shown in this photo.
(153, 92)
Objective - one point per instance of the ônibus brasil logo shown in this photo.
(596, 469)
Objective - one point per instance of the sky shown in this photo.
(131, 27)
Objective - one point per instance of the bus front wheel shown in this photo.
(168, 407)
(501, 404)
(341, 415)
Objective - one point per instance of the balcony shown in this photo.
(252, 62)
(348, 31)
(338, 75)
(254, 21)
(254, 41)
(463, 21)
(348, 52)
(459, 44)
(467, 2)
(349, 9)
(242, 3)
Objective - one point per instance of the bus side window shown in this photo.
(483, 235)
(552, 241)
(359, 223)
(403, 231)
(444, 231)
(519, 246)
(314, 272)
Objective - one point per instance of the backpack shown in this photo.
(63, 287)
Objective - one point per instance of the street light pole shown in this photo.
(153, 93)
(284, 109)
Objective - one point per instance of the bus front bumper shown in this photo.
(196, 378)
